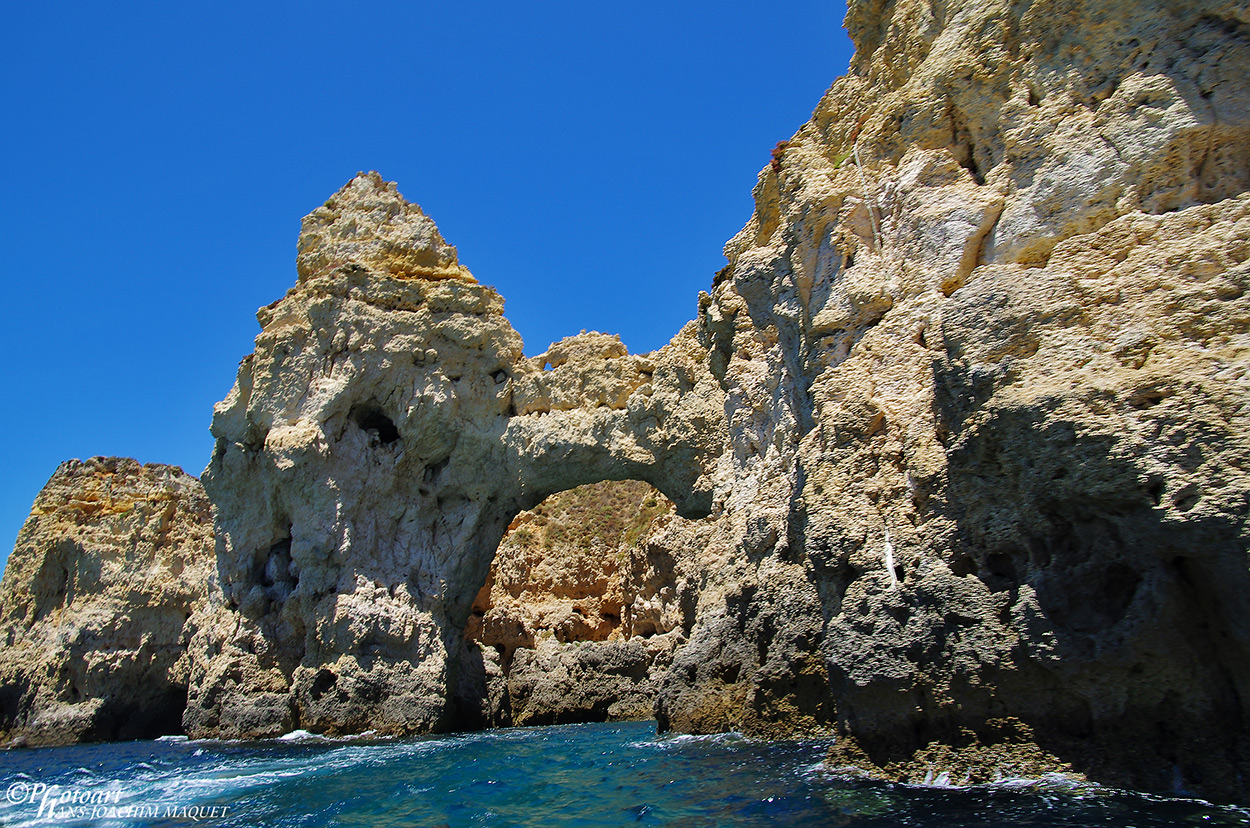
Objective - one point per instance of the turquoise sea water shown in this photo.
(574, 775)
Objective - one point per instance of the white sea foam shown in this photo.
(664, 742)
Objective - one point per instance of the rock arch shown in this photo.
(382, 436)
(584, 607)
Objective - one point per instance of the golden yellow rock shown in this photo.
(958, 443)
(94, 606)
(369, 225)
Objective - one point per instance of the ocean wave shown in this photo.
(559, 776)
(308, 736)
(1052, 782)
(666, 741)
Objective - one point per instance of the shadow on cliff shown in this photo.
(1111, 627)
(1133, 651)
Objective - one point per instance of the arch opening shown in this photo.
(587, 598)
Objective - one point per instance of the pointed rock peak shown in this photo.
(369, 224)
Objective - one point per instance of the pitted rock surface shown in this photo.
(958, 441)
(984, 345)
(94, 606)
(374, 450)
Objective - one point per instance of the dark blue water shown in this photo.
(577, 775)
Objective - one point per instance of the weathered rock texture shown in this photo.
(958, 441)
(966, 414)
(984, 347)
(583, 607)
(377, 445)
(113, 560)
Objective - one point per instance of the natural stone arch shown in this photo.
(377, 444)
(585, 604)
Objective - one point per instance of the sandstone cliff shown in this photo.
(112, 561)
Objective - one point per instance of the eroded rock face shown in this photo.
(95, 601)
(958, 441)
(984, 346)
(376, 447)
(583, 607)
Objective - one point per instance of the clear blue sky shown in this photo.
(588, 159)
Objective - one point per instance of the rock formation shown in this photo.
(377, 445)
(958, 441)
(583, 607)
(113, 560)
(984, 347)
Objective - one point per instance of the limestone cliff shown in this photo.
(378, 443)
(112, 561)
(957, 442)
(984, 348)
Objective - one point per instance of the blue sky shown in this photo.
(587, 159)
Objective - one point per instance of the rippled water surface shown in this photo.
(576, 775)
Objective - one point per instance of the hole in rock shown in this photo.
(1096, 602)
(373, 421)
(965, 564)
(274, 570)
(963, 146)
(154, 709)
(1118, 588)
(322, 684)
(582, 579)
(1187, 498)
(576, 567)
(1000, 565)
(12, 692)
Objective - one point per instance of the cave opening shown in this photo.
(371, 419)
(274, 571)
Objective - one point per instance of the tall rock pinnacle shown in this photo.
(369, 224)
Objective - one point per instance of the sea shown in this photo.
(621, 774)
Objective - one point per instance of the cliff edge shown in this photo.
(94, 607)
(984, 347)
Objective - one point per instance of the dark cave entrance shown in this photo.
(371, 419)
